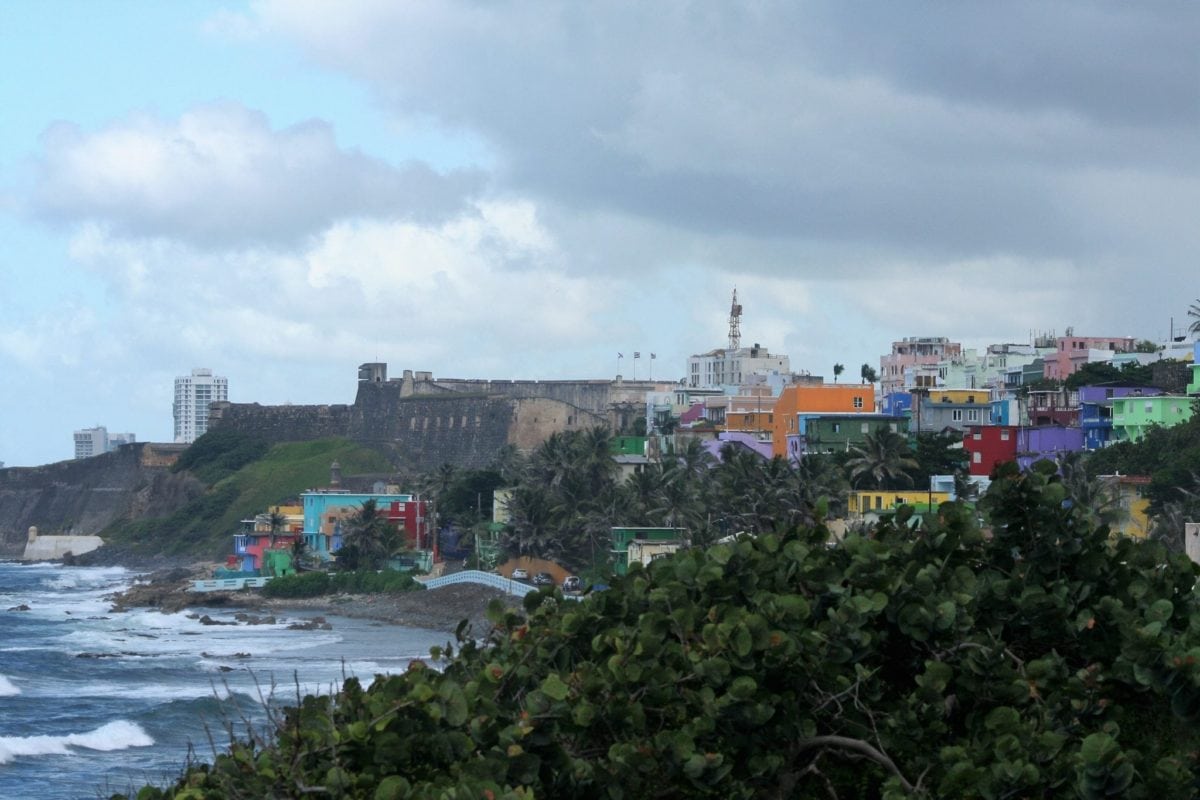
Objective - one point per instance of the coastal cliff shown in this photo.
(84, 496)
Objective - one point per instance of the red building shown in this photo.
(989, 445)
(412, 518)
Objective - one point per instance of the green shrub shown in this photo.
(1039, 660)
(304, 584)
(315, 584)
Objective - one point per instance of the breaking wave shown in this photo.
(119, 735)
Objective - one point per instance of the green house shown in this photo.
(839, 433)
(628, 446)
(1133, 416)
(643, 544)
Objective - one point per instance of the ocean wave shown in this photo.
(6, 687)
(119, 735)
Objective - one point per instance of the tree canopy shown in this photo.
(1035, 658)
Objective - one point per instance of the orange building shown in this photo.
(829, 398)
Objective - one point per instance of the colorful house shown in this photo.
(896, 404)
(826, 398)
(838, 433)
(642, 545)
(1133, 416)
(1132, 507)
(255, 542)
(951, 409)
(872, 502)
(1072, 352)
(1049, 442)
(1096, 409)
(1052, 407)
(327, 511)
(989, 445)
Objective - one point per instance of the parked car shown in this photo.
(543, 579)
(519, 574)
(572, 583)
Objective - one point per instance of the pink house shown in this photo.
(1075, 351)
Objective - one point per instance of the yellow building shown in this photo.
(961, 396)
(873, 501)
(1130, 506)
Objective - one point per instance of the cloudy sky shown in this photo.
(281, 190)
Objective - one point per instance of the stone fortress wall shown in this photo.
(423, 423)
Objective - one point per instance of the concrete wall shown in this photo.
(54, 548)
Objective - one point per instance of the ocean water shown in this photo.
(94, 702)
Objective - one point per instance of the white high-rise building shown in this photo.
(95, 441)
(193, 394)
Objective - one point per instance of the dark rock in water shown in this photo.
(314, 624)
(224, 668)
(207, 620)
(251, 619)
(21, 607)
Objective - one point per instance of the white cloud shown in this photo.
(424, 292)
(220, 176)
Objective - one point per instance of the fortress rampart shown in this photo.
(422, 423)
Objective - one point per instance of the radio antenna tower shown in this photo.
(735, 320)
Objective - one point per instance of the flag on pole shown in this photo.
(653, 356)
(620, 355)
(636, 354)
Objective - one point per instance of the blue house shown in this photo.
(1096, 408)
(326, 509)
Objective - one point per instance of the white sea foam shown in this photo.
(119, 735)
(6, 687)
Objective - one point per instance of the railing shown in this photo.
(506, 585)
(228, 584)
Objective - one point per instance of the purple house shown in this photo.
(760, 448)
(1046, 442)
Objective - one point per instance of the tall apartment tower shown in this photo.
(94, 441)
(193, 394)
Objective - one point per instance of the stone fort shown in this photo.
(421, 422)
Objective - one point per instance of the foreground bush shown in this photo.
(315, 584)
(1039, 660)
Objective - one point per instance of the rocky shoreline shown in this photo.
(433, 609)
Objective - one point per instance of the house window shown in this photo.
(972, 415)
(858, 402)
(977, 457)
(956, 415)
(978, 436)
(866, 427)
(1004, 435)
(837, 427)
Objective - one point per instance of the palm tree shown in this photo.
(275, 521)
(883, 461)
(868, 374)
(1194, 313)
(374, 539)
(838, 369)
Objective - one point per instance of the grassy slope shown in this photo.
(205, 527)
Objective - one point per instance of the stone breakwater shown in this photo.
(433, 609)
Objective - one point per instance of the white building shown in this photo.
(193, 394)
(726, 367)
(94, 441)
